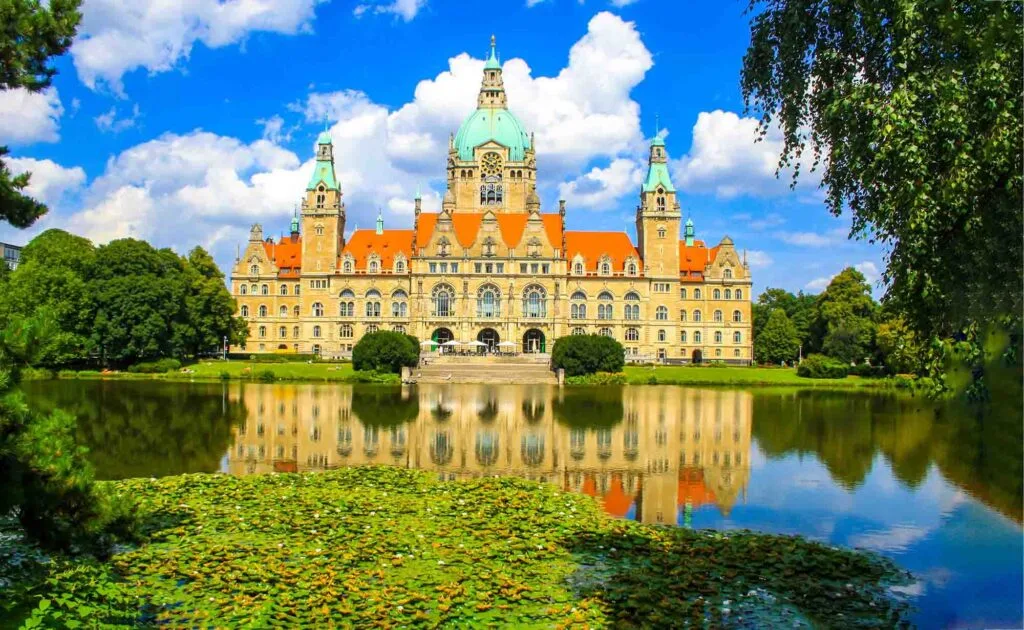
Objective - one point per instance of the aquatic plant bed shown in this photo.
(396, 548)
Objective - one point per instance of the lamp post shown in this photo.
(225, 347)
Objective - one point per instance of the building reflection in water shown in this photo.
(648, 453)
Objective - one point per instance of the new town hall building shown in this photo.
(492, 267)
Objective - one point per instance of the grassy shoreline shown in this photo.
(344, 373)
(388, 547)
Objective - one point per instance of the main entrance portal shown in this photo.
(533, 341)
(490, 337)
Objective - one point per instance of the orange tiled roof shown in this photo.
(695, 258)
(467, 226)
(362, 243)
(692, 488)
(286, 254)
(593, 245)
(617, 502)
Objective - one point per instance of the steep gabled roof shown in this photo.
(286, 254)
(511, 226)
(593, 245)
(387, 245)
(695, 258)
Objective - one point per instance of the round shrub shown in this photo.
(160, 366)
(386, 351)
(820, 366)
(587, 354)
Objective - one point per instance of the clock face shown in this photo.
(491, 164)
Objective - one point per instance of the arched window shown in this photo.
(606, 269)
(661, 313)
(716, 295)
(400, 266)
(295, 330)
(579, 331)
(282, 332)
(578, 269)
(372, 328)
(737, 316)
(488, 303)
(696, 294)
(605, 309)
(632, 310)
(296, 291)
(727, 274)
(682, 316)
(728, 294)
(578, 308)
(295, 311)
(346, 267)
(696, 336)
(718, 316)
(316, 331)
(243, 289)
(254, 270)
(244, 311)
(718, 336)
(263, 332)
(533, 301)
(283, 312)
(739, 294)
(661, 232)
(253, 289)
(373, 303)
(263, 310)
(661, 335)
(374, 266)
(682, 336)
(631, 269)
(660, 202)
(284, 289)
(318, 309)
(605, 332)
(264, 290)
(399, 309)
(345, 331)
(398, 329)
(696, 315)
(682, 293)
(443, 301)
(632, 334)
(737, 337)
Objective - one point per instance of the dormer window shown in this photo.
(374, 266)
(727, 274)
(578, 269)
(347, 266)
(606, 269)
(400, 266)
(631, 269)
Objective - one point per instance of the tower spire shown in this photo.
(380, 221)
(492, 90)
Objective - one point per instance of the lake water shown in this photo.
(938, 490)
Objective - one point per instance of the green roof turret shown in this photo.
(492, 61)
(657, 169)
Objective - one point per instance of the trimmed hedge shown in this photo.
(161, 366)
(587, 354)
(820, 366)
(386, 351)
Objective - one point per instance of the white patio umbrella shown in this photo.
(428, 342)
(451, 344)
(477, 344)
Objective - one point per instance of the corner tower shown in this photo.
(323, 213)
(658, 216)
(491, 160)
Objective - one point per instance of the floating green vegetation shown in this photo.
(391, 547)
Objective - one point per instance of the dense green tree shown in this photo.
(843, 318)
(587, 354)
(898, 346)
(799, 309)
(209, 307)
(778, 340)
(913, 112)
(32, 33)
(53, 274)
(385, 351)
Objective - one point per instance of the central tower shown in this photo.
(491, 160)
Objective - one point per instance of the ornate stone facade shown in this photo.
(492, 267)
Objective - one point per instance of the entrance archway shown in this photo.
(533, 341)
(442, 336)
(698, 356)
(490, 337)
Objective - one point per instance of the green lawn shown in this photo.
(682, 375)
(217, 370)
(393, 548)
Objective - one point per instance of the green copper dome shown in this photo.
(499, 125)
(325, 138)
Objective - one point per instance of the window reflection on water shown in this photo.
(638, 450)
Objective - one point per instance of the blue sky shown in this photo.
(185, 121)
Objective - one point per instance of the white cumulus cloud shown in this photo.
(758, 258)
(27, 117)
(405, 9)
(49, 181)
(601, 187)
(117, 37)
(726, 159)
(108, 122)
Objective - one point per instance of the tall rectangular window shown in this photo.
(455, 267)
(501, 267)
(522, 267)
(433, 267)
(477, 267)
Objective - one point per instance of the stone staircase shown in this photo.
(517, 370)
